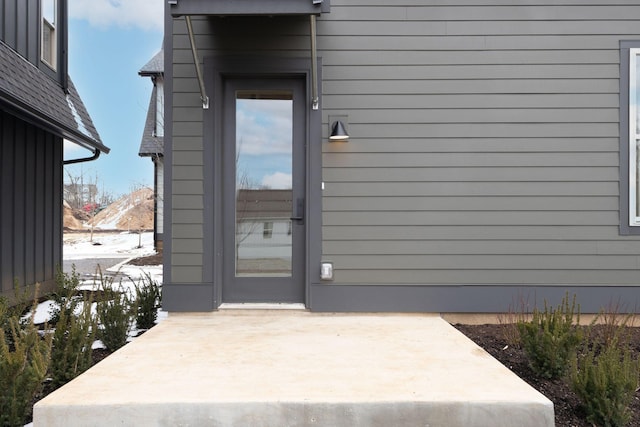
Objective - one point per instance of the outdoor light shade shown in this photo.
(338, 132)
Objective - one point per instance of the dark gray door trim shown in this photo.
(216, 69)
(251, 288)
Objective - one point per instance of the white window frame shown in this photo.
(159, 106)
(51, 26)
(634, 137)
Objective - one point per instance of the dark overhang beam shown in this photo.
(248, 7)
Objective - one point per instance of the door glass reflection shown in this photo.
(264, 134)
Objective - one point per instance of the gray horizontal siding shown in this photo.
(188, 185)
(469, 203)
(484, 142)
(472, 72)
(499, 247)
(484, 138)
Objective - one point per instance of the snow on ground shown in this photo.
(107, 245)
(78, 246)
(114, 245)
(125, 246)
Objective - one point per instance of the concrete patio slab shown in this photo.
(295, 368)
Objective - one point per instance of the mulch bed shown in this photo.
(568, 412)
(147, 260)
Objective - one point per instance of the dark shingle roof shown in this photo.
(154, 66)
(151, 145)
(31, 92)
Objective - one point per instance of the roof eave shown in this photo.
(33, 115)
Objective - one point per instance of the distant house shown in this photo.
(492, 155)
(264, 231)
(152, 144)
(39, 108)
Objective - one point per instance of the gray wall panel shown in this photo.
(20, 26)
(478, 145)
(31, 207)
(427, 152)
(498, 71)
(484, 139)
(486, 233)
(469, 203)
(499, 276)
(531, 173)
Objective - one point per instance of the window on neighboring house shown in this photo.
(629, 137)
(49, 38)
(159, 106)
(267, 231)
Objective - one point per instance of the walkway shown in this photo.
(295, 368)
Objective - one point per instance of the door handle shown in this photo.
(299, 215)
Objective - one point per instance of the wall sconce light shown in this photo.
(338, 132)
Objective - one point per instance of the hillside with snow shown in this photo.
(131, 212)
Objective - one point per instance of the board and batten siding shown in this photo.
(19, 27)
(30, 205)
(484, 139)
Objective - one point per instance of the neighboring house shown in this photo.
(263, 233)
(39, 107)
(492, 157)
(152, 144)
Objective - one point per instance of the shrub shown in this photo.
(509, 321)
(24, 359)
(614, 322)
(550, 337)
(74, 335)
(66, 296)
(148, 298)
(605, 378)
(114, 315)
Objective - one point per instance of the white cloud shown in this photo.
(144, 14)
(264, 126)
(277, 180)
(71, 148)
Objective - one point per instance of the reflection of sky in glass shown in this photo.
(49, 11)
(264, 132)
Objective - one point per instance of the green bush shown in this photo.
(148, 298)
(24, 359)
(114, 314)
(605, 378)
(74, 335)
(550, 338)
(66, 297)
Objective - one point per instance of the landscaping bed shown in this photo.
(568, 411)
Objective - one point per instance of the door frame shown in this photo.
(261, 288)
(217, 69)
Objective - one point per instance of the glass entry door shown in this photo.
(264, 183)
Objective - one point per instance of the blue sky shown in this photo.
(109, 41)
(264, 138)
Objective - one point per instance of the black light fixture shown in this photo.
(338, 132)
